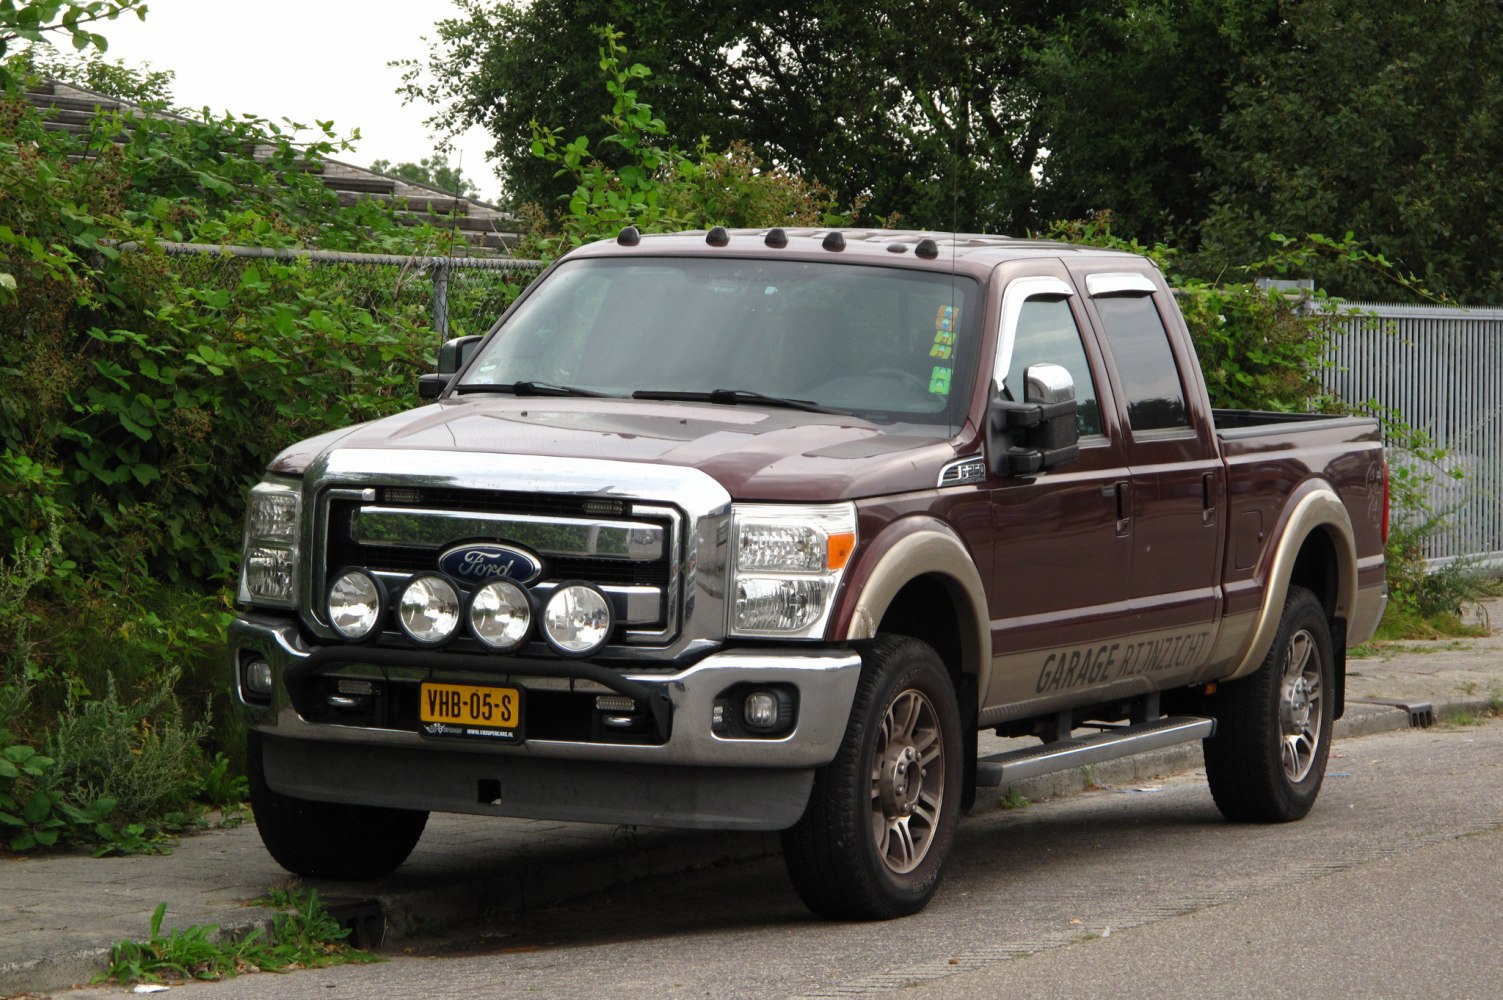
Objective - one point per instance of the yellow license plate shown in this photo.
(483, 711)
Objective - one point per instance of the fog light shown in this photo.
(577, 619)
(428, 610)
(256, 678)
(357, 604)
(760, 710)
(500, 615)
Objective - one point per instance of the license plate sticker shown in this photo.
(468, 710)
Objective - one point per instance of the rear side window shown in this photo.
(1145, 363)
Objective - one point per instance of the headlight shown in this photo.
(269, 556)
(788, 564)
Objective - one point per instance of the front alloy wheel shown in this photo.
(908, 782)
(881, 816)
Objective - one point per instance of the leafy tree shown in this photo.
(434, 171)
(1386, 119)
(1128, 92)
(909, 109)
(38, 20)
(659, 186)
(112, 77)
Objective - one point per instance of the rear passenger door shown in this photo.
(1177, 479)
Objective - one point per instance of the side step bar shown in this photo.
(1061, 755)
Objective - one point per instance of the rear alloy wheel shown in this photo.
(1266, 762)
(881, 817)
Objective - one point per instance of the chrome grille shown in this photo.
(626, 548)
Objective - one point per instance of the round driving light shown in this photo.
(577, 619)
(500, 615)
(357, 604)
(428, 609)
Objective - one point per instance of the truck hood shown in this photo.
(755, 453)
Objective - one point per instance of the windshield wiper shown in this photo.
(529, 389)
(732, 397)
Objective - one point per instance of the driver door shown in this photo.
(1062, 539)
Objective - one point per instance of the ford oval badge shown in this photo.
(482, 561)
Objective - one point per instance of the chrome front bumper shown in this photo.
(825, 680)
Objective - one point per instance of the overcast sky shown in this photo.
(303, 60)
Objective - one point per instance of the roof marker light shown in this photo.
(776, 238)
(927, 249)
(629, 236)
(717, 237)
(834, 241)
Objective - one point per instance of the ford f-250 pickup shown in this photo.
(757, 529)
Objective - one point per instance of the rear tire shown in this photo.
(1266, 762)
(881, 817)
(329, 839)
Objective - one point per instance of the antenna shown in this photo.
(454, 213)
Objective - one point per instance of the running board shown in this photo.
(1061, 755)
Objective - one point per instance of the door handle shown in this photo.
(1121, 492)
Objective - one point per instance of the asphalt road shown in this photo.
(1390, 888)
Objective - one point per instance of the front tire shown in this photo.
(1266, 762)
(882, 815)
(329, 839)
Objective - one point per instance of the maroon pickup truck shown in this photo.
(757, 529)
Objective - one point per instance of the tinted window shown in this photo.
(1145, 364)
(1047, 333)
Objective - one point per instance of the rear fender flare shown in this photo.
(1319, 509)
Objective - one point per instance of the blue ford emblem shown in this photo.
(481, 561)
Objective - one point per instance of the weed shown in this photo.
(1495, 701)
(303, 935)
(138, 754)
(1462, 718)
(1014, 800)
(1468, 688)
(218, 786)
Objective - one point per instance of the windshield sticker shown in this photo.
(939, 381)
(944, 333)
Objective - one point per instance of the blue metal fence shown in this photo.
(1441, 370)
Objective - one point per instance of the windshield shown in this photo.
(888, 344)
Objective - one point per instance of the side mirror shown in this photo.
(452, 356)
(1023, 439)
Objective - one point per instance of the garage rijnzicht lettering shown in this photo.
(1085, 666)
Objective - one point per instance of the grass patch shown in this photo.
(1406, 623)
(1462, 718)
(303, 936)
(1014, 800)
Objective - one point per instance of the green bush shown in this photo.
(141, 394)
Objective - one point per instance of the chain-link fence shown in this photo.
(454, 295)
